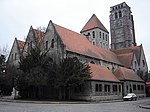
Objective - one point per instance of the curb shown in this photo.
(42, 102)
(145, 106)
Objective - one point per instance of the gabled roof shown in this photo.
(39, 35)
(93, 22)
(126, 59)
(134, 49)
(78, 43)
(123, 73)
(20, 44)
(102, 73)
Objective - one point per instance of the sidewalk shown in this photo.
(7, 99)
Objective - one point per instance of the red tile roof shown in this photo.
(78, 43)
(134, 49)
(127, 74)
(102, 73)
(126, 59)
(93, 22)
(20, 44)
(39, 35)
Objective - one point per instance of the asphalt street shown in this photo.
(123, 106)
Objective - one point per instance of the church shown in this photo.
(116, 71)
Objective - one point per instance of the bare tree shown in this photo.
(4, 50)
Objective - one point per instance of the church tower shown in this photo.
(96, 32)
(121, 27)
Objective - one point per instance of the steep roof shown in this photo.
(134, 49)
(93, 22)
(39, 35)
(124, 57)
(102, 73)
(78, 43)
(123, 73)
(20, 44)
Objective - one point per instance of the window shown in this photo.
(101, 44)
(100, 34)
(120, 14)
(93, 34)
(139, 88)
(116, 15)
(15, 56)
(119, 88)
(121, 5)
(12, 56)
(96, 87)
(115, 88)
(142, 87)
(103, 36)
(107, 88)
(143, 63)
(100, 87)
(106, 37)
(93, 43)
(135, 64)
(52, 43)
(46, 45)
(134, 87)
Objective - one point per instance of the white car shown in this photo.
(130, 96)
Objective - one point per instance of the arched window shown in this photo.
(46, 45)
(93, 43)
(120, 14)
(92, 62)
(116, 15)
(52, 43)
(93, 34)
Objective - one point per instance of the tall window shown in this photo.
(139, 87)
(107, 88)
(116, 15)
(103, 36)
(12, 57)
(135, 63)
(134, 87)
(98, 87)
(106, 37)
(119, 88)
(15, 56)
(93, 34)
(31, 44)
(100, 34)
(46, 45)
(143, 63)
(115, 88)
(93, 43)
(120, 14)
(52, 43)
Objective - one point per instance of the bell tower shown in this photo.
(121, 27)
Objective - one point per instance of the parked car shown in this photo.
(130, 96)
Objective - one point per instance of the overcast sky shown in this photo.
(16, 17)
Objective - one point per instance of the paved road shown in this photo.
(127, 106)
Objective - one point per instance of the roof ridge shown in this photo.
(93, 22)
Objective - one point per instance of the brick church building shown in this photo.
(116, 71)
